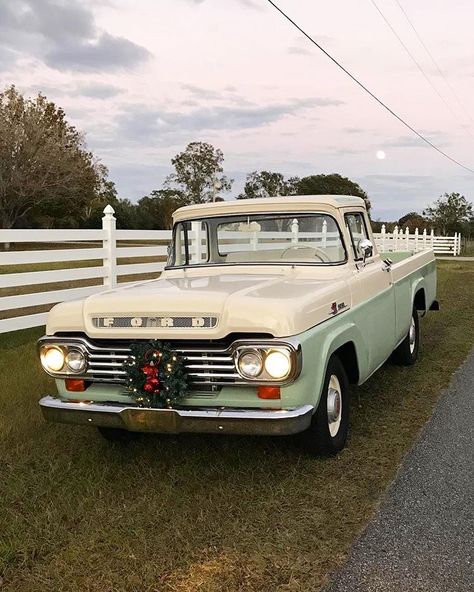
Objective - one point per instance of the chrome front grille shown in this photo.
(209, 367)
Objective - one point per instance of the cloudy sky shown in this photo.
(143, 78)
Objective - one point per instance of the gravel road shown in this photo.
(422, 539)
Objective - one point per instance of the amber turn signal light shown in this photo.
(75, 385)
(268, 392)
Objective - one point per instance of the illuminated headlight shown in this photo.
(52, 358)
(268, 363)
(63, 360)
(250, 363)
(76, 361)
(278, 364)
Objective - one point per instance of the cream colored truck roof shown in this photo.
(275, 204)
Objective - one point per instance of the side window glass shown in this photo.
(190, 243)
(356, 226)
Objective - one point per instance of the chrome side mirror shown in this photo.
(365, 248)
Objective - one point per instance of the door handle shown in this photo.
(387, 265)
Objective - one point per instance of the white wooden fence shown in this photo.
(403, 240)
(106, 245)
(109, 245)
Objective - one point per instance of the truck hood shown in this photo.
(208, 307)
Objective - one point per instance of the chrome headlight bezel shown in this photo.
(291, 351)
(68, 362)
(259, 362)
(67, 370)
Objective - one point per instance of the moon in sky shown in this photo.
(380, 154)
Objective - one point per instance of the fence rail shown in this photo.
(105, 257)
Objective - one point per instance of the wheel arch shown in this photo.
(347, 345)
(419, 296)
(347, 354)
(343, 338)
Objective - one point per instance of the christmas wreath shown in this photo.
(156, 375)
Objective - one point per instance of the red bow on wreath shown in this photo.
(152, 383)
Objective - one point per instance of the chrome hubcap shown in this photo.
(334, 405)
(412, 335)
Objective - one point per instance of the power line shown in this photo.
(420, 68)
(369, 92)
(441, 73)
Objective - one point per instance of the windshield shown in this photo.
(257, 238)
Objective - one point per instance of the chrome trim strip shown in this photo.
(93, 372)
(229, 366)
(211, 375)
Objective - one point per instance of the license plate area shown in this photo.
(151, 420)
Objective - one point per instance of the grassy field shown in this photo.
(201, 513)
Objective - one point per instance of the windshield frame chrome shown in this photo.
(257, 263)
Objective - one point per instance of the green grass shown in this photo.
(202, 513)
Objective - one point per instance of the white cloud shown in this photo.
(63, 34)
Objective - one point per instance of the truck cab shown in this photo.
(269, 308)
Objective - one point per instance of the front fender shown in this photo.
(318, 344)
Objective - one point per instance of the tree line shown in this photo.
(49, 179)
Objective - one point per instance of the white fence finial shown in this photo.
(109, 210)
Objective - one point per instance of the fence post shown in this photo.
(424, 238)
(432, 238)
(254, 240)
(325, 233)
(407, 234)
(294, 231)
(196, 228)
(383, 237)
(395, 238)
(416, 239)
(109, 244)
(459, 243)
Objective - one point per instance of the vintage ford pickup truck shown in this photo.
(266, 312)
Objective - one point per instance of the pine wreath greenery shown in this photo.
(156, 375)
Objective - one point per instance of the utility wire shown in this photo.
(440, 72)
(420, 68)
(369, 92)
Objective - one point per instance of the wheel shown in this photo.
(406, 353)
(118, 435)
(327, 433)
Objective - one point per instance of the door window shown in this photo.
(356, 226)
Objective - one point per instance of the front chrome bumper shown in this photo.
(174, 421)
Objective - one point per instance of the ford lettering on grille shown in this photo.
(122, 322)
